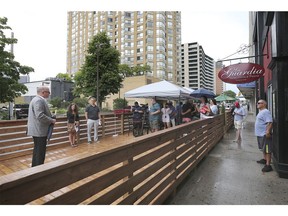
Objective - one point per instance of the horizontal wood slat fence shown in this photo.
(14, 142)
(144, 171)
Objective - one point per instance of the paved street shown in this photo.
(230, 176)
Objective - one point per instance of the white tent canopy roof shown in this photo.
(162, 89)
(190, 90)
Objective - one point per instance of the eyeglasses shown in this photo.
(259, 103)
(47, 92)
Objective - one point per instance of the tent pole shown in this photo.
(178, 119)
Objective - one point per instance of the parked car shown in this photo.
(4, 108)
(21, 110)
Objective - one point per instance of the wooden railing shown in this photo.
(229, 120)
(14, 142)
(144, 171)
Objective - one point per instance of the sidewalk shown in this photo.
(229, 175)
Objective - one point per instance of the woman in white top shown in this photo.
(165, 116)
(213, 107)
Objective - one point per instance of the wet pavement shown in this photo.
(229, 175)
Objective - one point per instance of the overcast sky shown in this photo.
(41, 29)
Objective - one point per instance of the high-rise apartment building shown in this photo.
(152, 38)
(219, 87)
(197, 68)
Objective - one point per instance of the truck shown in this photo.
(21, 110)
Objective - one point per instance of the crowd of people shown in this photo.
(157, 116)
(166, 114)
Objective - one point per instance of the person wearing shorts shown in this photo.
(263, 128)
(239, 114)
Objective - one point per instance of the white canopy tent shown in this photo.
(190, 90)
(162, 89)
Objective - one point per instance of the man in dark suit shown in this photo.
(39, 119)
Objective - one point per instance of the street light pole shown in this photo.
(97, 95)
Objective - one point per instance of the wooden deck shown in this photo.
(117, 170)
(105, 143)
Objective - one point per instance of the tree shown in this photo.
(140, 70)
(56, 102)
(119, 103)
(64, 76)
(125, 70)
(109, 77)
(81, 102)
(230, 93)
(10, 70)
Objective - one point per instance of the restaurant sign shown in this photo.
(241, 73)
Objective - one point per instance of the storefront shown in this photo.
(270, 37)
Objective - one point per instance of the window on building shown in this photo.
(150, 48)
(139, 50)
(149, 40)
(140, 20)
(160, 56)
(149, 32)
(149, 56)
(160, 74)
(140, 43)
(149, 16)
(128, 15)
(149, 24)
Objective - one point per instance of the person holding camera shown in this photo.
(137, 118)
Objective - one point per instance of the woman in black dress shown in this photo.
(72, 123)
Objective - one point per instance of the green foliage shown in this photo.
(4, 115)
(119, 103)
(10, 70)
(109, 77)
(81, 102)
(140, 70)
(64, 104)
(230, 93)
(64, 76)
(127, 71)
(56, 102)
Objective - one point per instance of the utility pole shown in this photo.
(10, 110)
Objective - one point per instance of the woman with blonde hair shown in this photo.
(72, 123)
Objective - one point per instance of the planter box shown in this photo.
(121, 111)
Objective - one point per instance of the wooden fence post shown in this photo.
(122, 123)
